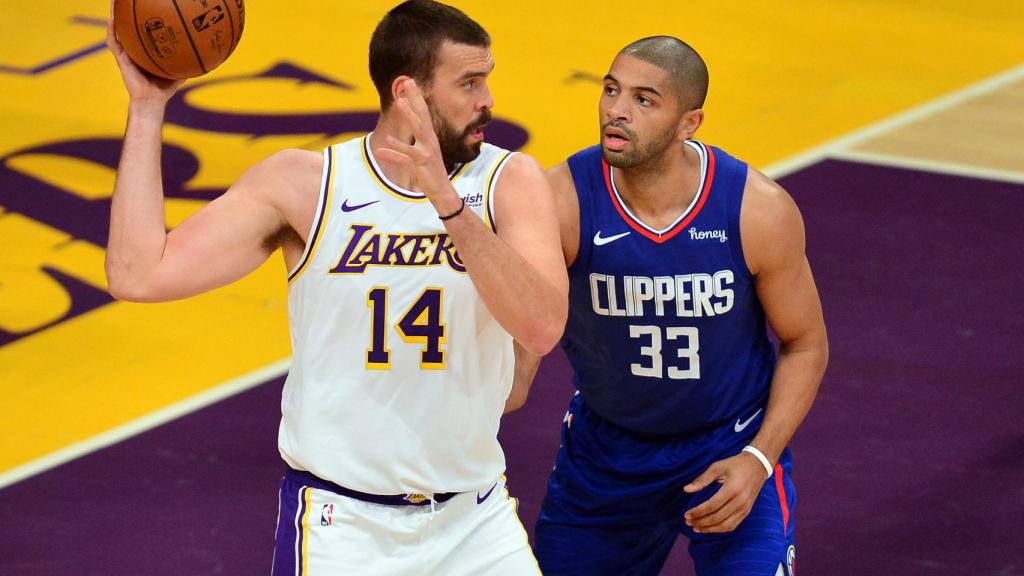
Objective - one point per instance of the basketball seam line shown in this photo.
(184, 25)
(231, 23)
(135, 23)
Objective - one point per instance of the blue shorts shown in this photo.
(615, 504)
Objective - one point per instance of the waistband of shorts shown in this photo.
(310, 479)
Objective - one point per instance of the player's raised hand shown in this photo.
(423, 155)
(741, 477)
(141, 85)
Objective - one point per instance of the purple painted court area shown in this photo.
(911, 462)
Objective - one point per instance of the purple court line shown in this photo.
(62, 60)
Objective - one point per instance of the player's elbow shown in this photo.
(542, 336)
(126, 291)
(125, 286)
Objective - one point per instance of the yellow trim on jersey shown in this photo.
(424, 340)
(387, 323)
(515, 512)
(321, 223)
(489, 188)
(462, 169)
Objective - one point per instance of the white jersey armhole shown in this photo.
(492, 185)
(316, 227)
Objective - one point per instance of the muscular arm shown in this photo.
(518, 271)
(773, 244)
(222, 242)
(567, 211)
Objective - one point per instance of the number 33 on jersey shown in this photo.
(665, 317)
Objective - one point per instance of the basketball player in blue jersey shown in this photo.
(416, 254)
(678, 254)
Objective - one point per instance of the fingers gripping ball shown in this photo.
(179, 38)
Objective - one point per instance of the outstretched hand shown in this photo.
(141, 85)
(423, 156)
(741, 477)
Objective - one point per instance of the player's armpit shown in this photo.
(526, 367)
(229, 237)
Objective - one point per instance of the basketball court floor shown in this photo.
(141, 439)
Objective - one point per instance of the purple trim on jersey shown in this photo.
(324, 193)
(384, 181)
(490, 190)
(284, 563)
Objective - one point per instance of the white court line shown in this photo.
(899, 161)
(147, 422)
(833, 148)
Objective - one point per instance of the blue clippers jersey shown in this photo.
(665, 332)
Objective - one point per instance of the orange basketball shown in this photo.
(179, 38)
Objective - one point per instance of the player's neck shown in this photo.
(388, 126)
(659, 190)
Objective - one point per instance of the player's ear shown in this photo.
(398, 87)
(689, 122)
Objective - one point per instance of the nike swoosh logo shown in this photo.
(480, 499)
(599, 241)
(346, 208)
(741, 425)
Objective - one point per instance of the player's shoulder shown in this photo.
(770, 222)
(285, 177)
(514, 160)
(293, 161)
(559, 177)
(765, 201)
(517, 168)
(582, 162)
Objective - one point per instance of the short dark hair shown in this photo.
(685, 67)
(407, 40)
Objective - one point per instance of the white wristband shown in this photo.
(760, 456)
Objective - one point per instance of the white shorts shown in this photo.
(322, 533)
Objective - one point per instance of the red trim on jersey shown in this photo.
(665, 236)
(782, 497)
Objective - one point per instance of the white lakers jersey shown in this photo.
(400, 373)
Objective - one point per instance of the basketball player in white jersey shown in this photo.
(416, 254)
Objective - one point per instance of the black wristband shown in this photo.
(454, 214)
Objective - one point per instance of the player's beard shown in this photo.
(639, 151)
(454, 149)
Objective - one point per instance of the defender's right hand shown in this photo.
(142, 86)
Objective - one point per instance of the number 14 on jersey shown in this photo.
(420, 324)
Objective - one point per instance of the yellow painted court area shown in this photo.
(785, 77)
